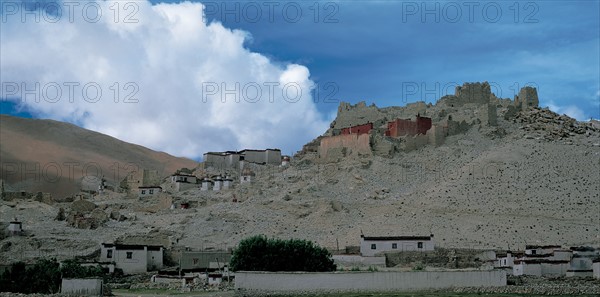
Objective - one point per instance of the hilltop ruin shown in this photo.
(360, 129)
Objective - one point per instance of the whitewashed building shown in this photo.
(540, 267)
(370, 246)
(15, 228)
(227, 183)
(149, 191)
(132, 259)
(218, 184)
(596, 269)
(182, 182)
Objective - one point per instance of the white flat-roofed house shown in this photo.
(540, 267)
(182, 182)
(15, 228)
(149, 191)
(133, 259)
(372, 245)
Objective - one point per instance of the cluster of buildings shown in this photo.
(361, 129)
(237, 160)
(139, 258)
(222, 164)
(551, 260)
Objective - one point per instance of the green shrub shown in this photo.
(44, 276)
(257, 253)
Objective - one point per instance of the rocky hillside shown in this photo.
(525, 176)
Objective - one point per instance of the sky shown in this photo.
(192, 77)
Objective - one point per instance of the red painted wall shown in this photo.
(400, 127)
(360, 129)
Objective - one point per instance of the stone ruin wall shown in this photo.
(472, 103)
(354, 143)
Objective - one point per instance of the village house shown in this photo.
(227, 183)
(370, 246)
(15, 228)
(201, 261)
(149, 191)
(542, 260)
(182, 182)
(218, 183)
(247, 176)
(540, 267)
(215, 279)
(206, 184)
(222, 160)
(596, 268)
(232, 160)
(582, 261)
(549, 260)
(132, 259)
(506, 260)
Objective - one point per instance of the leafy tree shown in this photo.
(72, 269)
(258, 253)
(44, 276)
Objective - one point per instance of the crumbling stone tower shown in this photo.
(479, 93)
(527, 98)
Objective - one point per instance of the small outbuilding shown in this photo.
(15, 228)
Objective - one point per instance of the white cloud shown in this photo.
(570, 110)
(177, 67)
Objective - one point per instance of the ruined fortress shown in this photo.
(368, 130)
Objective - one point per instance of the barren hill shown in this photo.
(488, 173)
(52, 156)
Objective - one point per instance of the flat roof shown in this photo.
(132, 246)
(542, 246)
(382, 238)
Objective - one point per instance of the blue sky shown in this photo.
(350, 50)
(377, 45)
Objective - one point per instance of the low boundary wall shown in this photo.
(82, 286)
(388, 281)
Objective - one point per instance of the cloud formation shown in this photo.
(155, 75)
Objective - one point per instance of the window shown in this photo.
(195, 260)
(150, 192)
(129, 255)
(394, 245)
(373, 246)
(109, 253)
(419, 245)
(143, 192)
(533, 252)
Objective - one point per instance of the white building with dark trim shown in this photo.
(149, 191)
(182, 182)
(372, 245)
(132, 259)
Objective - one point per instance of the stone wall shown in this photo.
(330, 282)
(487, 114)
(437, 135)
(354, 143)
(479, 93)
(527, 98)
(82, 286)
